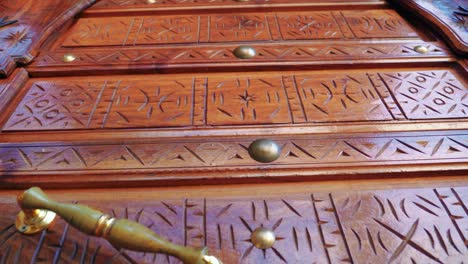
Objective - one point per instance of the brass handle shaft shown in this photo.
(38, 212)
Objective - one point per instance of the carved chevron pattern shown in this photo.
(309, 52)
(392, 226)
(303, 152)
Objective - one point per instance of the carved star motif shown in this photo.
(247, 98)
(17, 37)
(460, 17)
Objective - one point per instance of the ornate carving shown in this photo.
(29, 25)
(312, 53)
(131, 31)
(189, 155)
(247, 100)
(378, 23)
(317, 25)
(329, 97)
(402, 226)
(448, 16)
(241, 99)
(109, 103)
(428, 94)
(410, 225)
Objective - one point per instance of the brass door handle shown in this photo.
(38, 213)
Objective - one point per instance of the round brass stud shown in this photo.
(151, 1)
(69, 58)
(263, 238)
(245, 52)
(421, 49)
(264, 150)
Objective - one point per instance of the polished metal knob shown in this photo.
(421, 49)
(69, 58)
(263, 238)
(264, 150)
(245, 52)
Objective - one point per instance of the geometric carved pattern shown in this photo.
(425, 95)
(329, 97)
(131, 31)
(377, 23)
(404, 227)
(239, 99)
(247, 100)
(65, 105)
(199, 54)
(32, 23)
(381, 226)
(189, 155)
(447, 17)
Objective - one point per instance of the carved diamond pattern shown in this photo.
(429, 94)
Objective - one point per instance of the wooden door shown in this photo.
(148, 111)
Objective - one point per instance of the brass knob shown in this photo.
(421, 49)
(245, 52)
(264, 150)
(263, 238)
(38, 212)
(69, 58)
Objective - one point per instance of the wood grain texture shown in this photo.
(36, 20)
(448, 17)
(399, 225)
(238, 99)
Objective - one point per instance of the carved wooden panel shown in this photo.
(24, 24)
(424, 95)
(141, 30)
(448, 17)
(238, 99)
(331, 97)
(401, 226)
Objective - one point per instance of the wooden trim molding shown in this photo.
(168, 161)
(27, 24)
(448, 17)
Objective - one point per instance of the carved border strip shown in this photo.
(212, 154)
(266, 53)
